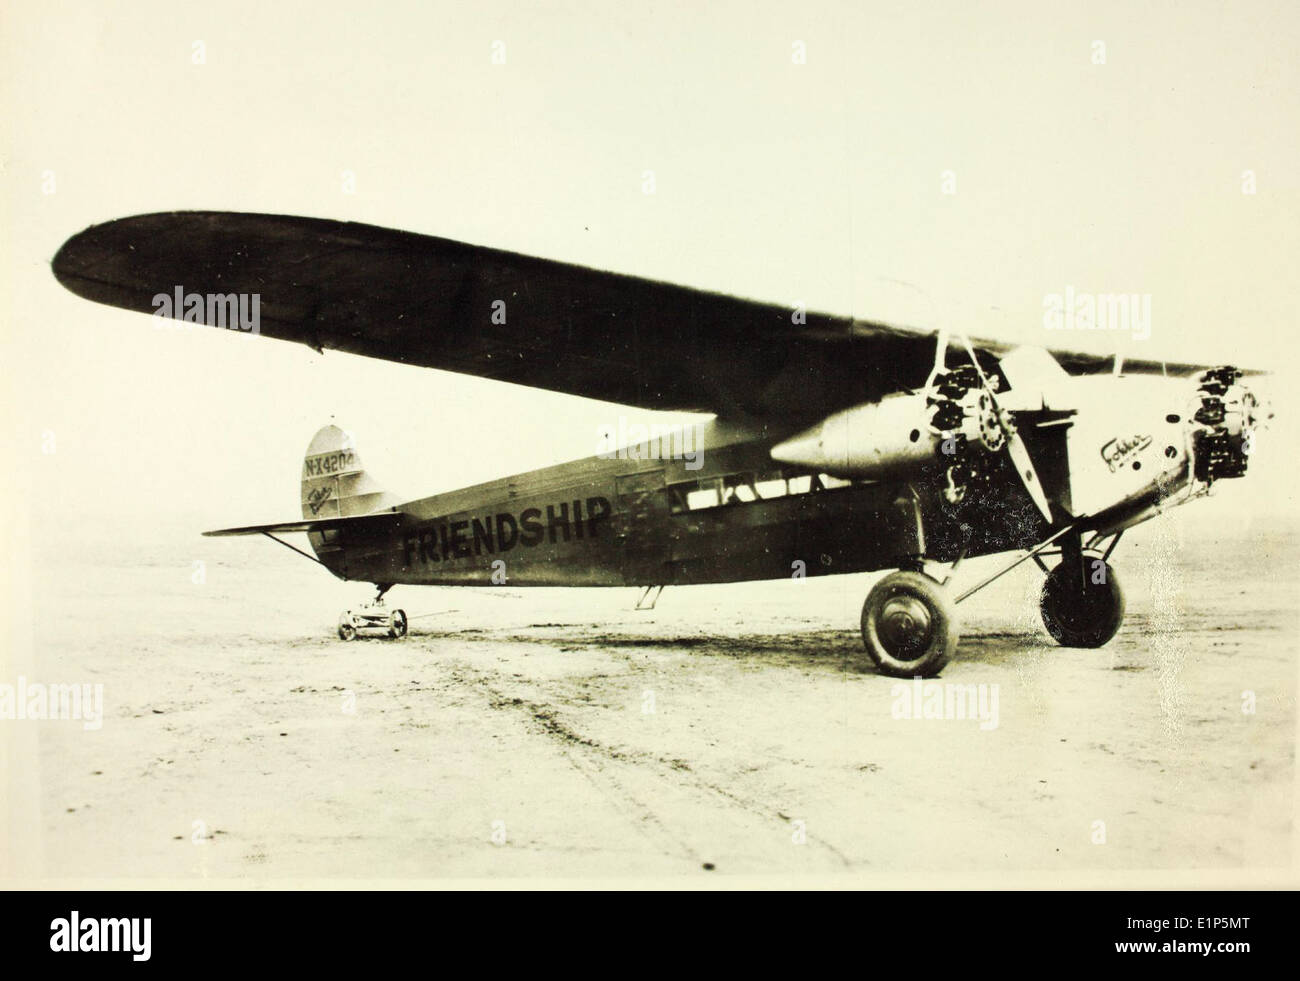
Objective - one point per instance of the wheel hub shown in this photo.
(905, 626)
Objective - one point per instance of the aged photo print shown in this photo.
(713, 445)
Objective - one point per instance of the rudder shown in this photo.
(334, 482)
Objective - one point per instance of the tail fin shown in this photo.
(334, 484)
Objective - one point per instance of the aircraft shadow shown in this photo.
(829, 650)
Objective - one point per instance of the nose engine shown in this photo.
(1223, 423)
(1131, 457)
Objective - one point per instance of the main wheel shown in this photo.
(1082, 610)
(397, 624)
(347, 631)
(909, 625)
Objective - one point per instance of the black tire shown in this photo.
(397, 624)
(1086, 614)
(909, 625)
(347, 631)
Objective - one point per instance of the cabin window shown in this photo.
(706, 494)
(697, 500)
(739, 489)
(746, 488)
(694, 495)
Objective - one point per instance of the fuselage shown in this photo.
(648, 515)
(730, 514)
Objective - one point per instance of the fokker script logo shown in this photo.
(317, 498)
(1121, 449)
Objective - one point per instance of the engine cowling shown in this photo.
(943, 428)
(889, 438)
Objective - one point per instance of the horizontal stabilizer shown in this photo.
(375, 520)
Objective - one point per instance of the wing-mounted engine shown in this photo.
(954, 431)
(965, 418)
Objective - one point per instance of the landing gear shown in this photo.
(909, 625)
(1082, 603)
(397, 625)
(373, 616)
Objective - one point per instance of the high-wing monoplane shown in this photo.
(835, 445)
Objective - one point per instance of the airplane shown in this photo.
(835, 445)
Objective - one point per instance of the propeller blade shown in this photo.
(1028, 475)
(1016, 447)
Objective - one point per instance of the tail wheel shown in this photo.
(1082, 608)
(397, 624)
(347, 631)
(909, 625)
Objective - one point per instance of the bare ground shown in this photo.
(242, 739)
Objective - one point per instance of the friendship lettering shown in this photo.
(502, 532)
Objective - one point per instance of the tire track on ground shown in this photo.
(596, 760)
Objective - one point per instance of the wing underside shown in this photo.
(427, 301)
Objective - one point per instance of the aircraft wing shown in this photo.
(428, 301)
(377, 520)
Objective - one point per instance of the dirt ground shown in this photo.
(733, 730)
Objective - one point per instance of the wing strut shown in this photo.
(294, 547)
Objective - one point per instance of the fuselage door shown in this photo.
(642, 527)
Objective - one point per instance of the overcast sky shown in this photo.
(1111, 167)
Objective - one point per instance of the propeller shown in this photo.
(1011, 438)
